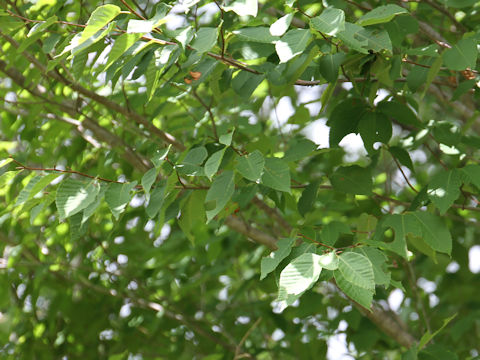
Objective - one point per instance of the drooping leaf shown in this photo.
(307, 200)
(250, 166)
(330, 65)
(118, 196)
(330, 22)
(213, 163)
(402, 156)
(193, 214)
(73, 196)
(344, 119)
(276, 174)
(219, 194)
(156, 201)
(270, 263)
(148, 179)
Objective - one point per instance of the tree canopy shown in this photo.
(164, 194)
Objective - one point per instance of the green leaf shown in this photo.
(350, 38)
(462, 55)
(432, 74)
(357, 269)
(36, 184)
(472, 174)
(245, 83)
(219, 193)
(206, 39)
(352, 180)
(307, 200)
(73, 196)
(381, 14)
(226, 139)
(156, 201)
(377, 39)
(76, 45)
(399, 112)
(330, 22)
(213, 163)
(276, 174)
(100, 17)
(270, 263)
(444, 189)
(192, 161)
(331, 232)
(279, 27)
(259, 34)
(42, 26)
(379, 264)
(361, 295)
(374, 127)
(121, 45)
(243, 7)
(429, 336)
(330, 65)
(402, 225)
(250, 166)
(293, 43)
(159, 156)
(297, 277)
(118, 196)
(402, 156)
(434, 231)
(344, 119)
(90, 209)
(299, 149)
(148, 179)
(193, 214)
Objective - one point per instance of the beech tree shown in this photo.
(165, 195)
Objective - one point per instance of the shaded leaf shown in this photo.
(250, 166)
(270, 263)
(276, 174)
(219, 193)
(118, 196)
